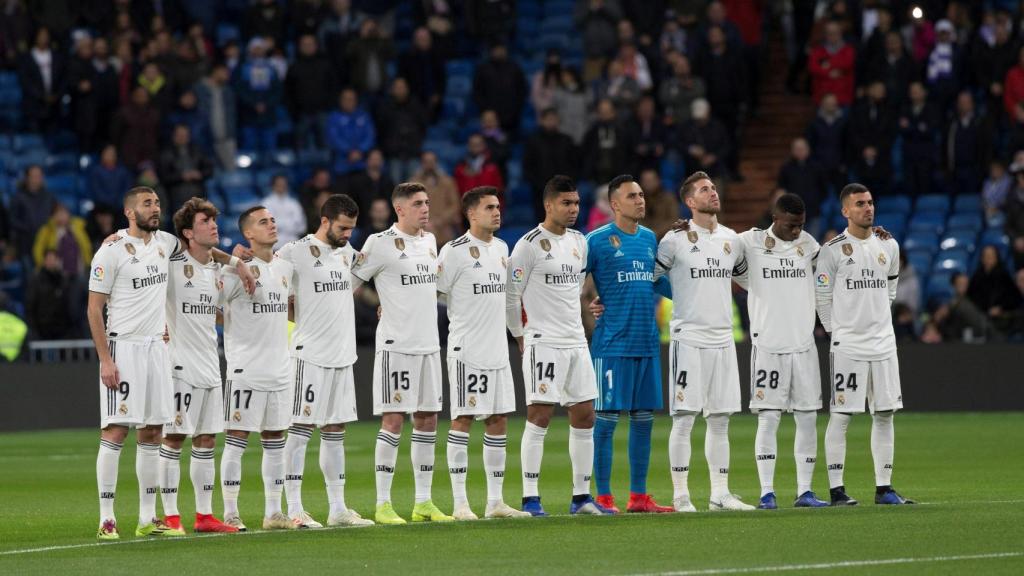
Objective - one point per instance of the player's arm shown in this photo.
(108, 370)
(894, 268)
(447, 272)
(520, 266)
(244, 274)
(666, 256)
(824, 277)
(741, 275)
(366, 263)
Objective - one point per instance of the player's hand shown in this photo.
(111, 238)
(881, 232)
(681, 225)
(380, 312)
(242, 252)
(596, 307)
(248, 280)
(109, 374)
(522, 345)
(167, 336)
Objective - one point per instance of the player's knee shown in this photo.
(332, 428)
(116, 434)
(204, 441)
(583, 419)
(174, 441)
(272, 434)
(392, 423)
(150, 434)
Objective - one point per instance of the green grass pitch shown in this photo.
(967, 470)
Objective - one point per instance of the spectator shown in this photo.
(109, 179)
(339, 26)
(15, 28)
(370, 183)
(968, 144)
(680, 90)
(496, 140)
(724, 74)
(875, 49)
(436, 17)
(874, 171)
(802, 176)
(368, 57)
(85, 99)
(831, 66)
(187, 113)
(548, 152)
(48, 301)
(100, 224)
(827, 138)
(66, 234)
(943, 69)
(149, 178)
(381, 217)
(423, 67)
(259, 92)
(499, 85)
(607, 148)
(673, 36)
(634, 66)
(992, 56)
(184, 169)
(704, 140)
(1014, 209)
(919, 128)
(596, 20)
(1015, 138)
(215, 99)
(106, 89)
(185, 67)
(768, 217)
(873, 125)
(157, 87)
(662, 204)
(350, 134)
(995, 189)
(308, 86)
(960, 319)
(42, 75)
(570, 101)
(477, 168)
(623, 91)
(545, 81)
(445, 206)
(993, 290)
(601, 212)
(319, 183)
(908, 287)
(489, 20)
(903, 323)
(31, 207)
(919, 35)
(290, 217)
(892, 67)
(402, 123)
(648, 135)
(265, 18)
(1013, 86)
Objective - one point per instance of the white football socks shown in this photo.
(332, 464)
(106, 476)
(170, 478)
(805, 448)
(422, 453)
(203, 474)
(531, 453)
(458, 464)
(835, 447)
(295, 465)
(766, 448)
(679, 453)
(581, 454)
(385, 457)
(882, 447)
(231, 472)
(273, 475)
(716, 451)
(147, 469)
(494, 466)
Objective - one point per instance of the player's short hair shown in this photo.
(243, 220)
(129, 196)
(406, 189)
(689, 186)
(617, 182)
(475, 195)
(852, 188)
(338, 205)
(790, 203)
(185, 217)
(556, 185)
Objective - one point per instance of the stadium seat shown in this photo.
(61, 162)
(922, 241)
(459, 87)
(939, 288)
(895, 223)
(236, 179)
(928, 222)
(932, 203)
(22, 142)
(463, 67)
(921, 260)
(958, 241)
(899, 204)
(5, 143)
(512, 234)
(18, 164)
(966, 221)
(952, 260)
(314, 158)
(997, 238)
(284, 157)
(967, 203)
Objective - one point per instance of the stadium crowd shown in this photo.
(283, 103)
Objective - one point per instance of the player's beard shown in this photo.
(146, 225)
(336, 241)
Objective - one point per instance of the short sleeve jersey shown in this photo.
(855, 274)
(134, 275)
(701, 264)
(193, 300)
(780, 278)
(256, 326)
(547, 270)
(324, 310)
(404, 270)
(472, 273)
(622, 267)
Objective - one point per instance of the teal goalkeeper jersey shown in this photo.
(622, 266)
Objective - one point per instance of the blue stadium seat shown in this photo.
(23, 142)
(227, 32)
(557, 24)
(512, 234)
(463, 67)
(62, 183)
(18, 164)
(965, 221)
(895, 223)
(998, 238)
(995, 221)
(454, 108)
(900, 204)
(459, 87)
(520, 214)
(61, 162)
(10, 97)
(939, 287)
(932, 203)
(519, 193)
(921, 260)
(8, 79)
(967, 203)
(314, 158)
(952, 260)
(5, 143)
(928, 222)
(959, 241)
(236, 179)
(922, 241)
(284, 157)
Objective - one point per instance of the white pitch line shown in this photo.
(830, 565)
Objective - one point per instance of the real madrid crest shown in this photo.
(543, 388)
(360, 258)
(284, 281)
(847, 249)
(433, 254)
(188, 271)
(769, 242)
(237, 416)
(130, 248)
(615, 241)
(177, 420)
(881, 259)
(344, 259)
(122, 409)
(400, 244)
(315, 251)
(472, 401)
(306, 411)
(760, 394)
(255, 270)
(576, 253)
(398, 397)
(474, 252)
(160, 251)
(727, 248)
(799, 251)
(680, 396)
(692, 236)
(545, 245)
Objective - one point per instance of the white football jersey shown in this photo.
(780, 282)
(134, 275)
(701, 264)
(404, 270)
(472, 273)
(546, 273)
(193, 300)
(256, 326)
(855, 285)
(325, 332)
